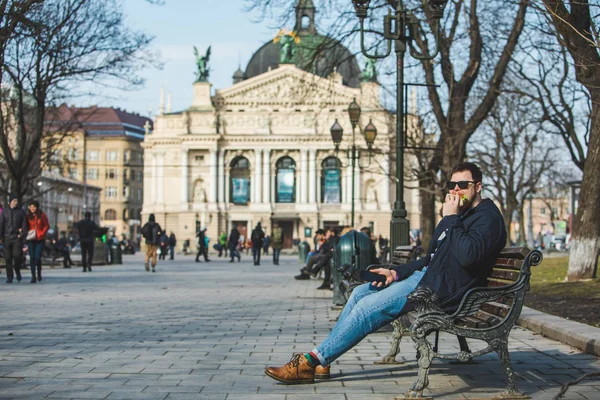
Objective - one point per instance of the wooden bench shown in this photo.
(486, 314)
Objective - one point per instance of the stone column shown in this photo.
(312, 176)
(257, 176)
(154, 178)
(267, 176)
(184, 178)
(385, 193)
(161, 177)
(213, 177)
(221, 178)
(303, 176)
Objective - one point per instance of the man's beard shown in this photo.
(467, 203)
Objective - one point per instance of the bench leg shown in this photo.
(396, 339)
(425, 357)
(512, 392)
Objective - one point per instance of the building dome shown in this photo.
(315, 53)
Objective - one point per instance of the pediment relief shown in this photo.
(288, 87)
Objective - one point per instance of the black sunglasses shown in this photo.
(461, 184)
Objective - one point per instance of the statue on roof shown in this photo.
(202, 64)
(370, 72)
(287, 46)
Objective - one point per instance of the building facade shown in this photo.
(61, 199)
(261, 150)
(102, 147)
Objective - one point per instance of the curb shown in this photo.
(576, 334)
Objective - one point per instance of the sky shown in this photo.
(177, 26)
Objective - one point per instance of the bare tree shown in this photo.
(577, 32)
(59, 45)
(514, 156)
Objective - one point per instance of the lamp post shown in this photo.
(370, 133)
(400, 28)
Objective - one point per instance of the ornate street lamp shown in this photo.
(399, 28)
(336, 134)
(370, 133)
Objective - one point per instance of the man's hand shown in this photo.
(451, 204)
(390, 276)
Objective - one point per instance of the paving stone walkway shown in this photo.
(207, 331)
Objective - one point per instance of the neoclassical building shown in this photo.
(261, 150)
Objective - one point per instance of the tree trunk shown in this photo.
(428, 192)
(585, 238)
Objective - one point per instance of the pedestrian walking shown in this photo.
(164, 245)
(151, 232)
(266, 245)
(202, 247)
(37, 224)
(223, 244)
(64, 247)
(277, 242)
(86, 228)
(257, 237)
(234, 238)
(13, 229)
(172, 243)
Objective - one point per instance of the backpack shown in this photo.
(155, 233)
(277, 236)
(255, 236)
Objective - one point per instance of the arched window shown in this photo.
(331, 181)
(305, 24)
(110, 214)
(286, 180)
(239, 179)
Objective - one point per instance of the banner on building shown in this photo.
(331, 186)
(285, 185)
(240, 192)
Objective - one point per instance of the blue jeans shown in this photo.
(367, 310)
(234, 253)
(310, 253)
(34, 248)
(276, 253)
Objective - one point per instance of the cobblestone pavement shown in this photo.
(207, 331)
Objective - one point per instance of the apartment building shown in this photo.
(102, 147)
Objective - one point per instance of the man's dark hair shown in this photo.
(472, 168)
(87, 215)
(366, 230)
(320, 232)
(151, 218)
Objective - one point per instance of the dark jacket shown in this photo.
(13, 224)
(164, 240)
(86, 228)
(234, 237)
(201, 239)
(464, 257)
(172, 240)
(257, 237)
(152, 232)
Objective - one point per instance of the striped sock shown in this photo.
(313, 360)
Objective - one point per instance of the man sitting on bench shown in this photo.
(462, 252)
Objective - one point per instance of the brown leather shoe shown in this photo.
(322, 372)
(298, 370)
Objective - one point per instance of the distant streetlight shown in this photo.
(370, 133)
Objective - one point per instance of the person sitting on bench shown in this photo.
(462, 252)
